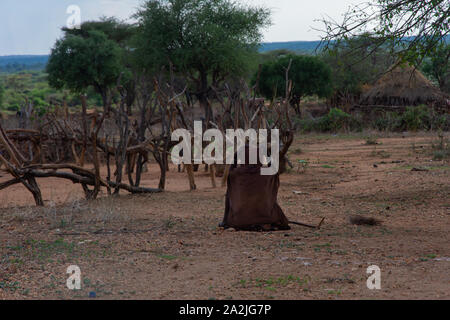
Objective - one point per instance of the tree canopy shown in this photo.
(413, 28)
(209, 40)
(309, 75)
(116, 30)
(437, 67)
(85, 58)
(355, 63)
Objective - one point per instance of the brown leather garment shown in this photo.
(251, 201)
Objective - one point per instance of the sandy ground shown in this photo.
(168, 246)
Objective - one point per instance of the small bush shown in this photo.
(391, 121)
(335, 121)
(371, 141)
(13, 107)
(413, 119)
(439, 155)
(417, 118)
(441, 148)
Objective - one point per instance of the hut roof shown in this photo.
(404, 86)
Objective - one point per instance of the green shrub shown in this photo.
(441, 148)
(390, 121)
(439, 155)
(441, 122)
(417, 118)
(371, 141)
(413, 119)
(336, 120)
(13, 107)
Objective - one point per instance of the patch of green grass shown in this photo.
(11, 286)
(169, 223)
(441, 148)
(325, 245)
(167, 257)
(334, 292)
(43, 249)
(439, 155)
(87, 282)
(272, 284)
(50, 251)
(290, 245)
(16, 261)
(327, 166)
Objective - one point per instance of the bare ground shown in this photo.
(168, 246)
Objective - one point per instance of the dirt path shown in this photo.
(167, 246)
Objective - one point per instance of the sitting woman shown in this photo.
(251, 199)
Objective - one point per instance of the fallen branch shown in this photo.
(308, 225)
(75, 178)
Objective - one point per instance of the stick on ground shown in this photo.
(308, 225)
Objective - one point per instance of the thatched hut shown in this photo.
(404, 86)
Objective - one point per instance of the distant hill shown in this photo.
(9, 64)
(306, 46)
(298, 46)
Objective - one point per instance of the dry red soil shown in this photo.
(168, 246)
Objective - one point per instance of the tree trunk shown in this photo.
(33, 187)
(139, 166)
(295, 103)
(106, 100)
(162, 179)
(203, 98)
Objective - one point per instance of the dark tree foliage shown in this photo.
(90, 56)
(437, 67)
(116, 30)
(309, 75)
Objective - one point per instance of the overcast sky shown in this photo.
(32, 26)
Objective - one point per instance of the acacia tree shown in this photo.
(413, 28)
(309, 75)
(208, 40)
(121, 33)
(81, 60)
